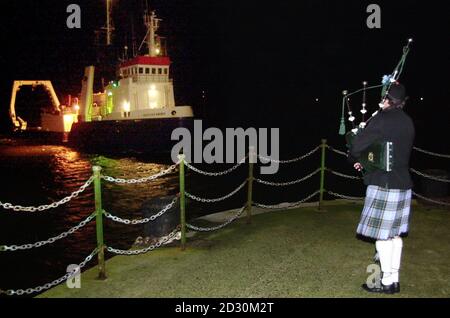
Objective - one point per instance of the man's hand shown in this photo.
(358, 166)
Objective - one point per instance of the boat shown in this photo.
(137, 111)
(134, 112)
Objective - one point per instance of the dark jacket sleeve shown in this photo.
(365, 138)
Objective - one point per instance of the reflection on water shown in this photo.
(34, 174)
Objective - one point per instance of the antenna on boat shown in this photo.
(151, 38)
(109, 23)
(133, 38)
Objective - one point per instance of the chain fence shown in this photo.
(175, 234)
(50, 240)
(284, 184)
(347, 197)
(141, 221)
(141, 180)
(215, 174)
(342, 153)
(218, 227)
(267, 159)
(40, 208)
(38, 289)
(431, 200)
(431, 153)
(286, 205)
(429, 176)
(204, 200)
(343, 175)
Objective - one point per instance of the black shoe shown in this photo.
(396, 287)
(383, 289)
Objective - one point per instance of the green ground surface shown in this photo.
(293, 253)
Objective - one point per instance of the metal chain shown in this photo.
(415, 148)
(9, 206)
(343, 175)
(58, 281)
(215, 174)
(432, 153)
(50, 240)
(337, 151)
(141, 221)
(163, 240)
(431, 200)
(283, 184)
(193, 197)
(429, 177)
(218, 227)
(345, 196)
(283, 206)
(141, 180)
(290, 160)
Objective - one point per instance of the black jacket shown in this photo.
(392, 125)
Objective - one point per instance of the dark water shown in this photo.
(36, 173)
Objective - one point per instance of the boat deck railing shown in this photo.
(179, 233)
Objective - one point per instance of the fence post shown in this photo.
(99, 222)
(251, 156)
(182, 203)
(322, 173)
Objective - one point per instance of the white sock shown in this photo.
(397, 246)
(384, 249)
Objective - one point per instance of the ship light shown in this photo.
(77, 107)
(110, 93)
(68, 121)
(152, 92)
(158, 51)
(126, 106)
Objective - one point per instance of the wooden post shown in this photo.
(322, 173)
(251, 157)
(182, 203)
(99, 222)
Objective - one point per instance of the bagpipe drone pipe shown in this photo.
(380, 154)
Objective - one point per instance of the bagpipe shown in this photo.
(379, 155)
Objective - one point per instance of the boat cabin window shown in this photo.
(147, 70)
(141, 70)
(135, 70)
(165, 71)
(153, 70)
(159, 70)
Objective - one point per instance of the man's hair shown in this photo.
(396, 103)
(397, 95)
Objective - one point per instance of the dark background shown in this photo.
(260, 63)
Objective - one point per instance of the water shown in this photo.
(35, 174)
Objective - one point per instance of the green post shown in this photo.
(251, 160)
(99, 222)
(322, 173)
(182, 203)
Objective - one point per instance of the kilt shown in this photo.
(386, 213)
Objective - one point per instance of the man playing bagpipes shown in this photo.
(384, 143)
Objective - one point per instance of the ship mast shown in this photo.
(109, 24)
(152, 24)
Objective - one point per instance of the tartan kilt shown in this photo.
(386, 213)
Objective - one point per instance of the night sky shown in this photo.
(261, 63)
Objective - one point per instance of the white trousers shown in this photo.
(390, 254)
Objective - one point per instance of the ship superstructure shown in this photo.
(144, 89)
